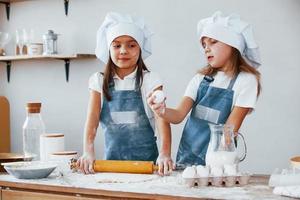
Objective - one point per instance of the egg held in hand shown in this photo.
(159, 96)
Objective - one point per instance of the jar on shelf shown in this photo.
(50, 43)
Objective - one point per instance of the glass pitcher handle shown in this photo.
(245, 146)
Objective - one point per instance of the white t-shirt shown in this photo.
(245, 88)
(151, 81)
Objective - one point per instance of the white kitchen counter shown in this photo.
(136, 186)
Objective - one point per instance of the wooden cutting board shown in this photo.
(4, 125)
(9, 157)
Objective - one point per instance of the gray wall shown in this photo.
(271, 131)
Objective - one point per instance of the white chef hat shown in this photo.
(115, 25)
(233, 31)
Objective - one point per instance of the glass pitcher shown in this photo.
(222, 147)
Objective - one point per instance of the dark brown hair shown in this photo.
(110, 71)
(238, 65)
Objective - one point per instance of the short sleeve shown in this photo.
(247, 95)
(192, 88)
(151, 81)
(95, 82)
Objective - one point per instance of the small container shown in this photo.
(50, 43)
(50, 143)
(295, 162)
(35, 49)
(63, 159)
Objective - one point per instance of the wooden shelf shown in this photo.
(55, 56)
(66, 58)
(12, 1)
(8, 2)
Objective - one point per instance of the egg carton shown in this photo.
(223, 181)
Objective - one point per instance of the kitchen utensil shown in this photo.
(121, 166)
(29, 170)
(221, 148)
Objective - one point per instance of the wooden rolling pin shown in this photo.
(121, 166)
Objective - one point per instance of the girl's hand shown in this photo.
(157, 108)
(85, 163)
(165, 165)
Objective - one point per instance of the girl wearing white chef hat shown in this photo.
(223, 92)
(118, 97)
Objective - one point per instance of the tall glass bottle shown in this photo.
(32, 129)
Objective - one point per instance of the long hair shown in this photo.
(110, 71)
(238, 64)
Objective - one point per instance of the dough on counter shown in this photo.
(124, 177)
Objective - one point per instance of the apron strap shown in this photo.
(137, 87)
(111, 86)
(231, 84)
(208, 79)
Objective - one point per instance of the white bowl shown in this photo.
(29, 170)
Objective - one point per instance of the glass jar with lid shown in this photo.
(33, 127)
(50, 43)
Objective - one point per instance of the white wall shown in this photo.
(271, 131)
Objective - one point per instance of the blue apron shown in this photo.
(212, 105)
(127, 130)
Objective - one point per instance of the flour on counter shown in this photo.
(124, 178)
(149, 184)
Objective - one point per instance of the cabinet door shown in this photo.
(10, 194)
(4, 125)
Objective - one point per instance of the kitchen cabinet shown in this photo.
(66, 58)
(33, 192)
(8, 3)
(4, 125)
(9, 194)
